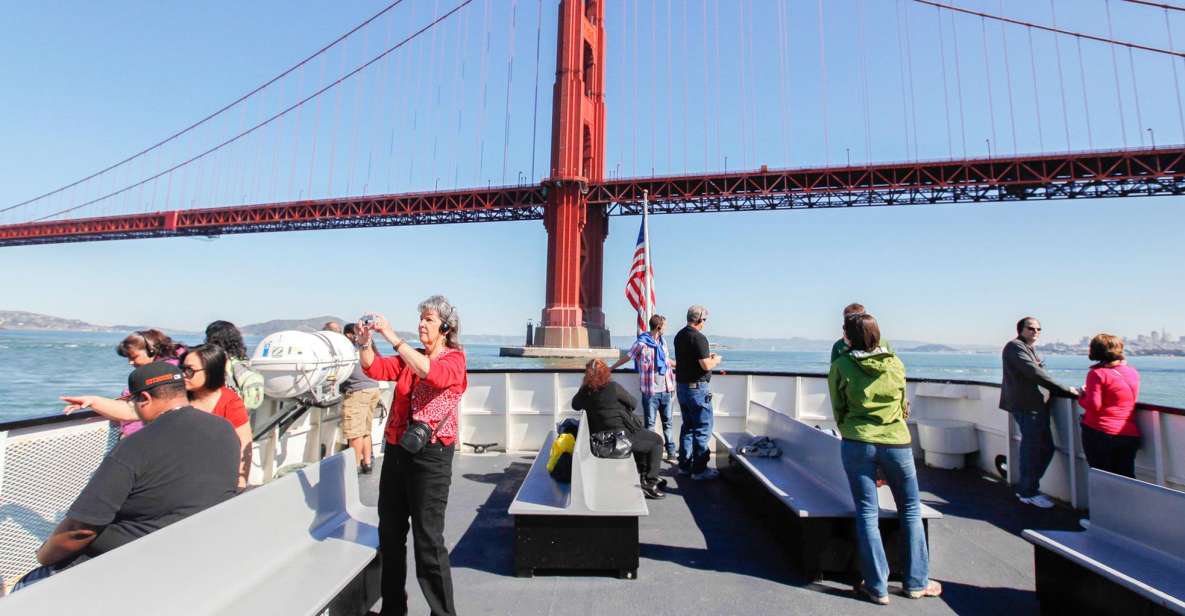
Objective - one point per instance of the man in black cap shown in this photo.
(183, 461)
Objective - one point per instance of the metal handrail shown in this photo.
(1140, 406)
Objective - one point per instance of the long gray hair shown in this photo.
(448, 316)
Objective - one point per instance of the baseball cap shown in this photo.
(152, 375)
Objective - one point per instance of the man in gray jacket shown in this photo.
(1024, 392)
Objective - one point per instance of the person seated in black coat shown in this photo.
(610, 407)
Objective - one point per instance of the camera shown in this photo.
(367, 320)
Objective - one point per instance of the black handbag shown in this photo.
(418, 435)
(610, 444)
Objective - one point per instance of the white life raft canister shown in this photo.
(309, 366)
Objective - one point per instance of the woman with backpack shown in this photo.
(240, 376)
(867, 386)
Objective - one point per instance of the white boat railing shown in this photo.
(44, 463)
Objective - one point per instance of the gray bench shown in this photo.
(809, 480)
(302, 544)
(1130, 561)
(590, 523)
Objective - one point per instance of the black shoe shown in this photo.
(366, 468)
(659, 482)
(653, 492)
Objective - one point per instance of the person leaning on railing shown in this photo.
(180, 463)
(1025, 390)
(140, 348)
(429, 382)
(867, 386)
(1110, 436)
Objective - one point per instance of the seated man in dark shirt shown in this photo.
(183, 461)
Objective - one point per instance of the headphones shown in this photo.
(444, 326)
(149, 348)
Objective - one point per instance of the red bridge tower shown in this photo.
(576, 229)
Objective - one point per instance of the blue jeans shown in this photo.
(860, 461)
(659, 403)
(695, 407)
(1036, 451)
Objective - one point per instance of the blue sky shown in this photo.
(101, 82)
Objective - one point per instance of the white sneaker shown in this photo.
(709, 473)
(1040, 501)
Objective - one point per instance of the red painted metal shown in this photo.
(1080, 175)
(572, 315)
(1097, 174)
(482, 205)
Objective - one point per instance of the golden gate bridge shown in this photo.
(180, 185)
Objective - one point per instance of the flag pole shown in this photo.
(646, 256)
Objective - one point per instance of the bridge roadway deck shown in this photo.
(705, 551)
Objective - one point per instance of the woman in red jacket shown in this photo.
(414, 485)
(1110, 436)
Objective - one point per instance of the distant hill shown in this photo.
(931, 348)
(18, 320)
(305, 325)
(278, 325)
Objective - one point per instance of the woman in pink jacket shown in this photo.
(1110, 436)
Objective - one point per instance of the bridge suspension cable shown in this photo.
(213, 115)
(265, 122)
(1056, 30)
(1159, 5)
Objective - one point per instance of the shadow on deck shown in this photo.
(710, 548)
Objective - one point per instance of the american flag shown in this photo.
(636, 284)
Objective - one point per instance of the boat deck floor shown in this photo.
(705, 550)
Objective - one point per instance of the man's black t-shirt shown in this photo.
(181, 463)
(690, 347)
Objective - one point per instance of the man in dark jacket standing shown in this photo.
(1024, 392)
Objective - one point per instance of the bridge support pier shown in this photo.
(572, 317)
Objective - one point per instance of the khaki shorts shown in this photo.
(358, 412)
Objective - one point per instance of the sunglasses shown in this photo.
(1036, 329)
(188, 372)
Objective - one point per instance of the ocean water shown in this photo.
(37, 367)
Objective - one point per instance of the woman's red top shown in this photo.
(230, 407)
(433, 399)
(1109, 400)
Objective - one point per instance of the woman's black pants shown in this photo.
(1113, 453)
(415, 488)
(647, 448)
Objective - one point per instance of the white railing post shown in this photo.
(1072, 453)
(1159, 449)
(748, 399)
(796, 412)
(509, 417)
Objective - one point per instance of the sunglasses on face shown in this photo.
(188, 372)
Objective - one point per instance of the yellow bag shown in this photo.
(564, 443)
